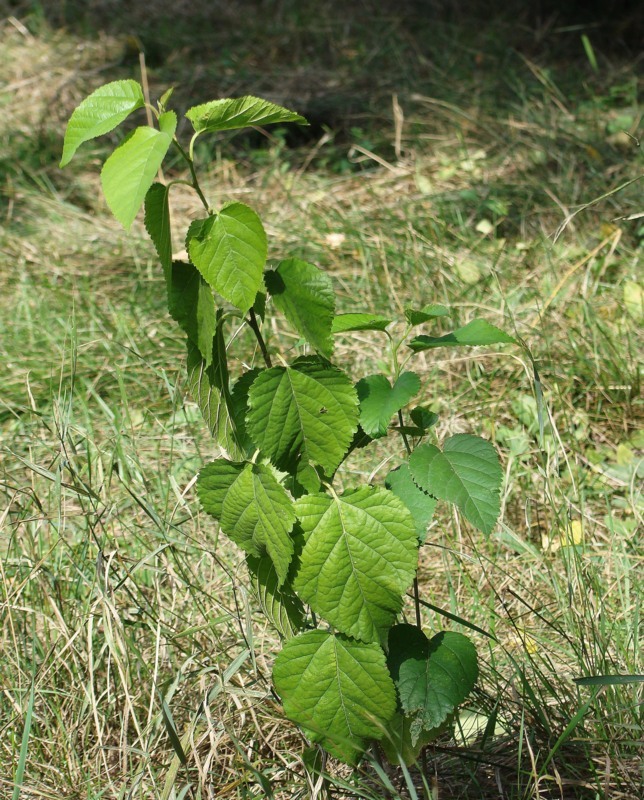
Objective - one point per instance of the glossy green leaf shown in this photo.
(338, 689)
(239, 112)
(157, 223)
(282, 607)
(379, 401)
(418, 316)
(131, 169)
(303, 414)
(100, 113)
(432, 676)
(229, 249)
(467, 473)
(360, 556)
(344, 323)
(420, 504)
(304, 294)
(192, 305)
(477, 332)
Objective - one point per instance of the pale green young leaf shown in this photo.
(157, 223)
(420, 504)
(379, 401)
(359, 557)
(303, 414)
(99, 113)
(337, 689)
(131, 169)
(475, 333)
(432, 311)
(344, 323)
(239, 112)
(258, 515)
(229, 249)
(432, 676)
(192, 305)
(467, 473)
(283, 608)
(304, 294)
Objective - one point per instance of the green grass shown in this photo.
(129, 638)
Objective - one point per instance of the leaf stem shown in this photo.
(252, 321)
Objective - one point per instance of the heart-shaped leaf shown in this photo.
(379, 401)
(100, 113)
(304, 294)
(229, 249)
(467, 473)
(359, 557)
(338, 689)
(477, 332)
(239, 112)
(432, 676)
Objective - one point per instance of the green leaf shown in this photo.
(400, 743)
(192, 305)
(303, 414)
(420, 504)
(467, 473)
(423, 418)
(239, 409)
(100, 113)
(253, 509)
(432, 311)
(379, 401)
(213, 483)
(343, 323)
(477, 332)
(432, 676)
(157, 224)
(258, 515)
(229, 249)
(282, 606)
(131, 169)
(337, 689)
(304, 294)
(209, 386)
(360, 556)
(240, 112)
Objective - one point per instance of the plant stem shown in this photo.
(252, 321)
(193, 174)
(416, 589)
